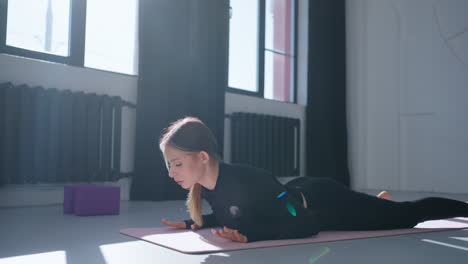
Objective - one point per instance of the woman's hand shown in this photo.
(230, 234)
(180, 225)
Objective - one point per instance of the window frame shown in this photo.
(77, 36)
(261, 56)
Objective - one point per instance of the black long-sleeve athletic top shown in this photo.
(255, 203)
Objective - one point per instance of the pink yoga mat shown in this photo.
(203, 241)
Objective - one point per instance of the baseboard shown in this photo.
(19, 195)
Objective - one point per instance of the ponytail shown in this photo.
(194, 204)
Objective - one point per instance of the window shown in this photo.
(262, 48)
(48, 30)
(99, 34)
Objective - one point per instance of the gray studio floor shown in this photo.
(43, 234)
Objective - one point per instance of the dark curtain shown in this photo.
(183, 52)
(326, 102)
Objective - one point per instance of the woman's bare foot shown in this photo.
(385, 195)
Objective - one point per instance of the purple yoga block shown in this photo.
(88, 199)
(69, 197)
(68, 194)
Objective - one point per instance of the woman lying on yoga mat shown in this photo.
(251, 205)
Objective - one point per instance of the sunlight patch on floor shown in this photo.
(54, 257)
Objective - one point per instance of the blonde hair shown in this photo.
(190, 134)
(194, 204)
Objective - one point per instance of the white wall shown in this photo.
(407, 78)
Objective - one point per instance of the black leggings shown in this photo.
(340, 208)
